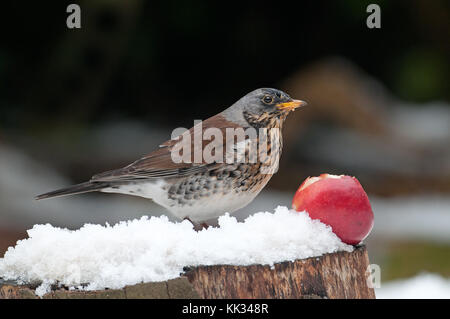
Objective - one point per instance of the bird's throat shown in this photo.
(265, 120)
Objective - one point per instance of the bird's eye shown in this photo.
(267, 99)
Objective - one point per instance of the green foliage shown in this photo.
(407, 259)
(421, 75)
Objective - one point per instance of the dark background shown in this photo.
(176, 60)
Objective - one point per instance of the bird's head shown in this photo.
(267, 107)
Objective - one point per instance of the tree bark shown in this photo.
(333, 276)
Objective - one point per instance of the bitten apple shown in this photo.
(338, 201)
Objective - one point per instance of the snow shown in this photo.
(156, 249)
(423, 286)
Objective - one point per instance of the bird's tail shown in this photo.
(75, 189)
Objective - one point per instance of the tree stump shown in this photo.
(333, 276)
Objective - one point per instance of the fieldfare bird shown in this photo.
(203, 182)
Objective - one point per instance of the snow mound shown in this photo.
(155, 249)
(422, 286)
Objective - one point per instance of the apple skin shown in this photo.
(338, 201)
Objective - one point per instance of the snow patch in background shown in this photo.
(156, 249)
(423, 286)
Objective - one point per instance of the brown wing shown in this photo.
(159, 164)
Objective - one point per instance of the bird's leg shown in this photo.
(204, 226)
(197, 227)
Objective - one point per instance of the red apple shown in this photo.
(338, 201)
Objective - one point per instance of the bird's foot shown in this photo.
(198, 226)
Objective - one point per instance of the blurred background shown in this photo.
(75, 102)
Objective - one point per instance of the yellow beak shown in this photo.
(292, 105)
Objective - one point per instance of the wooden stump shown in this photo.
(338, 275)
